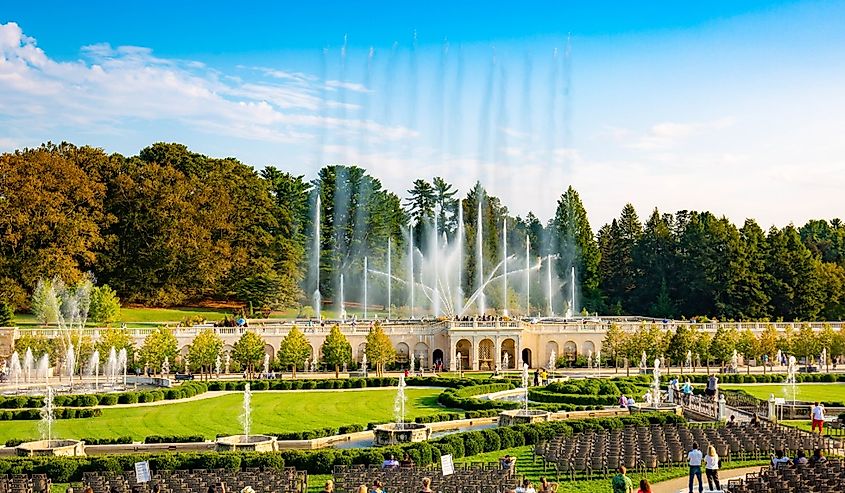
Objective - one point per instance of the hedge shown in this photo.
(186, 389)
(66, 469)
(743, 393)
(768, 378)
(343, 383)
(537, 395)
(58, 413)
(107, 441)
(174, 438)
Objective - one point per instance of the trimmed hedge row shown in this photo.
(186, 389)
(462, 398)
(174, 438)
(769, 378)
(539, 395)
(343, 383)
(66, 469)
(58, 413)
(437, 418)
(108, 441)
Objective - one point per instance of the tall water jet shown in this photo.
(435, 301)
(479, 260)
(505, 255)
(389, 277)
(571, 309)
(315, 259)
(93, 368)
(266, 364)
(15, 369)
(734, 361)
(365, 288)
(791, 372)
(527, 275)
(218, 363)
(460, 248)
(246, 415)
(43, 370)
(411, 266)
(655, 384)
(342, 313)
(399, 403)
(112, 366)
(525, 388)
(122, 364)
(399, 431)
(552, 360)
(28, 365)
(47, 416)
(549, 280)
(70, 363)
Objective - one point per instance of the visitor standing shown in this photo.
(695, 456)
(623, 401)
(817, 415)
(536, 378)
(621, 483)
(687, 390)
(711, 468)
(712, 387)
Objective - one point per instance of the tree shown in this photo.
(768, 342)
(654, 260)
(249, 351)
(158, 345)
(807, 343)
(105, 305)
(294, 350)
(336, 350)
(265, 291)
(793, 281)
(204, 351)
(44, 304)
(613, 343)
(576, 246)
(617, 261)
(748, 346)
(117, 339)
(682, 342)
(7, 315)
(724, 343)
(380, 350)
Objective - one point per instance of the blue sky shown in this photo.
(733, 107)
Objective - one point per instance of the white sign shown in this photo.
(142, 472)
(447, 465)
(780, 401)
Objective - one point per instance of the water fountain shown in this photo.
(247, 441)
(823, 360)
(365, 288)
(527, 274)
(315, 260)
(779, 358)
(111, 368)
(15, 370)
(93, 368)
(28, 365)
(643, 363)
(598, 362)
(399, 431)
(656, 394)
(389, 277)
(506, 361)
(552, 360)
(689, 359)
(48, 445)
(505, 262)
(734, 362)
(266, 364)
(70, 363)
(524, 415)
(549, 287)
(228, 362)
(589, 359)
(479, 260)
(43, 370)
(570, 309)
(165, 366)
(341, 303)
(122, 364)
(218, 363)
(791, 372)
(364, 363)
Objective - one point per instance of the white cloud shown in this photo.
(111, 86)
(666, 135)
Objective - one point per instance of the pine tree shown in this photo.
(7, 315)
(576, 246)
(654, 262)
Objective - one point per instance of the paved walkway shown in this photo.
(680, 485)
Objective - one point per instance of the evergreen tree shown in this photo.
(654, 262)
(618, 273)
(793, 281)
(105, 305)
(7, 315)
(336, 350)
(576, 246)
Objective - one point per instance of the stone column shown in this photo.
(497, 348)
(475, 354)
(449, 357)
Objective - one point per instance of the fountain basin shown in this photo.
(51, 447)
(253, 443)
(523, 417)
(395, 433)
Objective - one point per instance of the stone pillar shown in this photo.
(772, 409)
(475, 354)
(450, 356)
(497, 348)
(720, 408)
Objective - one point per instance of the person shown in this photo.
(623, 401)
(377, 487)
(88, 489)
(526, 487)
(328, 487)
(406, 461)
(754, 420)
(817, 415)
(508, 462)
(621, 483)
(694, 458)
(631, 402)
(711, 468)
(644, 486)
(546, 486)
(544, 377)
(732, 421)
(426, 485)
(780, 460)
(157, 488)
(363, 489)
(801, 458)
(69, 489)
(712, 387)
(390, 463)
(536, 378)
(818, 457)
(687, 391)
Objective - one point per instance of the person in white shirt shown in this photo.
(780, 459)
(695, 456)
(817, 416)
(711, 468)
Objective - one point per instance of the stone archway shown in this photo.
(362, 348)
(403, 353)
(269, 349)
(526, 357)
(588, 349)
(570, 351)
(464, 348)
(552, 350)
(436, 356)
(508, 348)
(486, 351)
(421, 355)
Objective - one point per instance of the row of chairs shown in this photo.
(600, 452)
(476, 477)
(23, 483)
(267, 480)
(827, 477)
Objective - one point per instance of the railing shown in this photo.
(746, 403)
(700, 405)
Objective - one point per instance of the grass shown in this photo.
(272, 412)
(131, 316)
(807, 392)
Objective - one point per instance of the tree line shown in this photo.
(170, 227)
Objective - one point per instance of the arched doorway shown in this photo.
(509, 349)
(570, 351)
(268, 349)
(588, 349)
(437, 356)
(485, 355)
(421, 355)
(403, 353)
(552, 354)
(464, 348)
(526, 357)
(362, 349)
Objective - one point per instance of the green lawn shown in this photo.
(273, 412)
(147, 315)
(808, 392)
